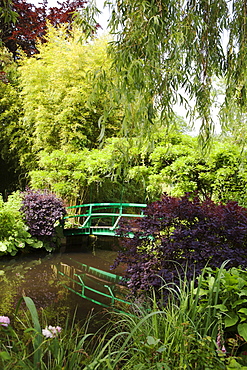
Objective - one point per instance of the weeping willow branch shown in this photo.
(169, 51)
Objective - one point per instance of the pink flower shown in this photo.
(218, 342)
(223, 349)
(58, 329)
(220, 346)
(51, 331)
(4, 320)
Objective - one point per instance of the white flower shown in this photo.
(47, 333)
(51, 331)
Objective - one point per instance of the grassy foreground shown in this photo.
(194, 329)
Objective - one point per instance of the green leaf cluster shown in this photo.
(7, 16)
(14, 235)
(181, 168)
(122, 168)
(228, 290)
(91, 175)
(49, 103)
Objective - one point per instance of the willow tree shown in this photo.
(169, 52)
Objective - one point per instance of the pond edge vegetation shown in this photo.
(194, 318)
(187, 333)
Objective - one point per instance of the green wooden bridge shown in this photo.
(99, 218)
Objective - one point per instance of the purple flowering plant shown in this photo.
(181, 236)
(42, 212)
(26, 346)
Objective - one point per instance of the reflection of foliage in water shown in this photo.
(7, 295)
(36, 277)
(32, 278)
(11, 278)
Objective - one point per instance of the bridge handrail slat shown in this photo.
(80, 283)
(138, 205)
(114, 214)
(81, 215)
(105, 214)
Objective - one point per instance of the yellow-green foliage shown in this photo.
(56, 86)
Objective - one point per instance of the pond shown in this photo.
(37, 276)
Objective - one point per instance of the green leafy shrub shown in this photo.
(14, 235)
(224, 292)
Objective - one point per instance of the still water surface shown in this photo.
(36, 276)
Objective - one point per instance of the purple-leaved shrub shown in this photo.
(182, 235)
(42, 210)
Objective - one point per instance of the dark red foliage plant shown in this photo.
(180, 236)
(31, 23)
(42, 211)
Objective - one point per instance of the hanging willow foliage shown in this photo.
(169, 52)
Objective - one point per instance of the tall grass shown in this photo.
(27, 348)
(181, 334)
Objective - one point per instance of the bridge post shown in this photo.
(90, 213)
(111, 294)
(82, 283)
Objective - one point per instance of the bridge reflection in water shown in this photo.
(99, 218)
(98, 286)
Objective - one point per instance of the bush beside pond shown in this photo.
(28, 220)
(180, 236)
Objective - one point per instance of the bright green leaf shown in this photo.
(242, 330)
(243, 310)
(5, 355)
(231, 319)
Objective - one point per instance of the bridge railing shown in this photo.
(101, 215)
